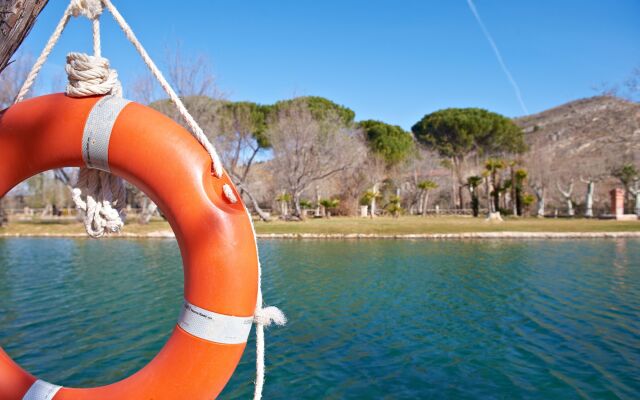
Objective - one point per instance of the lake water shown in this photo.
(368, 319)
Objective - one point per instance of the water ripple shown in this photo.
(368, 319)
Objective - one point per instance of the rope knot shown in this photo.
(91, 75)
(269, 315)
(89, 8)
(101, 197)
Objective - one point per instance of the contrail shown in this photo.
(506, 71)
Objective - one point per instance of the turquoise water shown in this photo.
(368, 319)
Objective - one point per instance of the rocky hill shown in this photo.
(591, 135)
(583, 138)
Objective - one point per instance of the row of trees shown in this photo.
(294, 149)
(309, 152)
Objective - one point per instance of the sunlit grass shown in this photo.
(345, 225)
(418, 225)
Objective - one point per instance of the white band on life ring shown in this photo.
(97, 131)
(214, 327)
(41, 390)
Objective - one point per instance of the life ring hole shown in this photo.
(81, 312)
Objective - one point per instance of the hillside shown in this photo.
(591, 134)
(587, 137)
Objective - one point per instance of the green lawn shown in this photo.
(344, 225)
(417, 225)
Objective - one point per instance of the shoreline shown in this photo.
(343, 236)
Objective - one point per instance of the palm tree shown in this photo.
(627, 174)
(473, 182)
(394, 206)
(493, 167)
(425, 187)
(520, 176)
(328, 205)
(284, 200)
(369, 198)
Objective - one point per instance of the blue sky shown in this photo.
(388, 60)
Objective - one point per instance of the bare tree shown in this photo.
(632, 84)
(12, 78)
(539, 189)
(237, 129)
(143, 89)
(193, 80)
(10, 81)
(191, 76)
(194, 77)
(628, 89)
(588, 203)
(566, 194)
(365, 171)
(416, 170)
(376, 171)
(240, 130)
(539, 166)
(307, 150)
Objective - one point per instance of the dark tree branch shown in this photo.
(16, 19)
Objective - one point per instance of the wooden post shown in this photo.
(16, 19)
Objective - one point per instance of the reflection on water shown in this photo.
(368, 319)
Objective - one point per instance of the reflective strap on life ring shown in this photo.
(97, 131)
(214, 327)
(41, 390)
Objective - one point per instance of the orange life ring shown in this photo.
(215, 236)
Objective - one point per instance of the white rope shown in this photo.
(91, 9)
(90, 76)
(191, 122)
(105, 193)
(103, 201)
(100, 195)
(37, 66)
(263, 317)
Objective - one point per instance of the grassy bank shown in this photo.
(426, 225)
(382, 226)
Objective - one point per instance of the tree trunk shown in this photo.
(570, 208)
(148, 210)
(636, 194)
(514, 195)
(475, 202)
(3, 215)
(519, 207)
(373, 200)
(540, 196)
(459, 181)
(296, 204)
(16, 19)
(317, 212)
(588, 212)
(567, 196)
(488, 194)
(284, 209)
(425, 203)
(256, 207)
